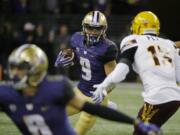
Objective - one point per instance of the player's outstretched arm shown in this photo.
(116, 76)
(113, 115)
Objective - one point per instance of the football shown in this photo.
(68, 52)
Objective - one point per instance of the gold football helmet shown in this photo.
(27, 65)
(145, 22)
(94, 26)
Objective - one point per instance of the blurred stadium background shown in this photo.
(50, 23)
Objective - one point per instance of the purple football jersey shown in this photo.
(92, 59)
(42, 114)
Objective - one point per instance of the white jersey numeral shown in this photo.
(37, 125)
(160, 56)
(86, 68)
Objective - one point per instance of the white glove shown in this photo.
(99, 93)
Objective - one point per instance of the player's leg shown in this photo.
(71, 110)
(157, 114)
(86, 121)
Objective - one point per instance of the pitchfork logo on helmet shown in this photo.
(145, 22)
(94, 26)
(27, 65)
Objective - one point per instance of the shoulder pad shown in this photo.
(171, 43)
(109, 42)
(75, 38)
(76, 35)
(128, 42)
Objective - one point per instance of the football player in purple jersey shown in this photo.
(96, 55)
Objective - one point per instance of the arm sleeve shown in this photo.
(110, 54)
(107, 113)
(128, 55)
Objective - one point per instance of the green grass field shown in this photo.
(129, 100)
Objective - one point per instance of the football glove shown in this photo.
(148, 128)
(63, 60)
(101, 92)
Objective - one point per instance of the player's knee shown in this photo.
(71, 111)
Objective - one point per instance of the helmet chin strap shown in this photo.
(90, 39)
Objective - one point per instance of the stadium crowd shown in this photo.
(70, 6)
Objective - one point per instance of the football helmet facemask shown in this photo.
(94, 26)
(145, 22)
(27, 66)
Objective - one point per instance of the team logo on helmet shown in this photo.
(94, 26)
